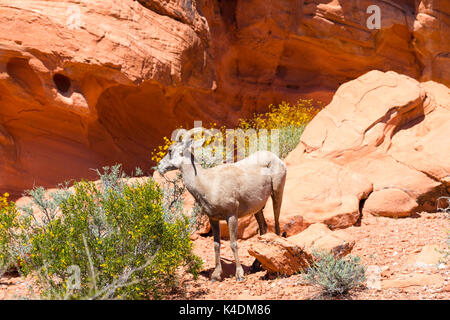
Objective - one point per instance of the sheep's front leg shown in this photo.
(216, 276)
(233, 228)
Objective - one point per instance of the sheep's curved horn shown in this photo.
(198, 140)
(178, 134)
(193, 132)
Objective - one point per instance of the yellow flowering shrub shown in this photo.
(161, 150)
(12, 236)
(289, 120)
(283, 115)
(117, 237)
(7, 223)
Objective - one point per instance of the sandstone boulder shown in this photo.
(390, 202)
(290, 255)
(320, 191)
(316, 191)
(392, 131)
(278, 255)
(320, 238)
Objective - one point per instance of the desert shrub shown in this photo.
(289, 120)
(335, 276)
(11, 235)
(111, 240)
(7, 224)
(443, 205)
(173, 204)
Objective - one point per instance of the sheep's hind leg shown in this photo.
(256, 266)
(261, 222)
(217, 274)
(233, 228)
(276, 201)
(278, 183)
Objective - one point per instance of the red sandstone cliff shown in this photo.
(89, 83)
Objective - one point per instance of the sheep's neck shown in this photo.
(191, 172)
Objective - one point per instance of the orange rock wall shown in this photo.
(90, 83)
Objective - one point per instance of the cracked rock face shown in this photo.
(85, 84)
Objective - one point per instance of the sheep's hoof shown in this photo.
(240, 275)
(216, 276)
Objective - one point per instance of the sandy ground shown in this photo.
(384, 242)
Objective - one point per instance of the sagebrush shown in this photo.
(335, 276)
(443, 205)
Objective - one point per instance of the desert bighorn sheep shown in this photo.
(228, 191)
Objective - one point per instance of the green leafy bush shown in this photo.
(111, 240)
(335, 276)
